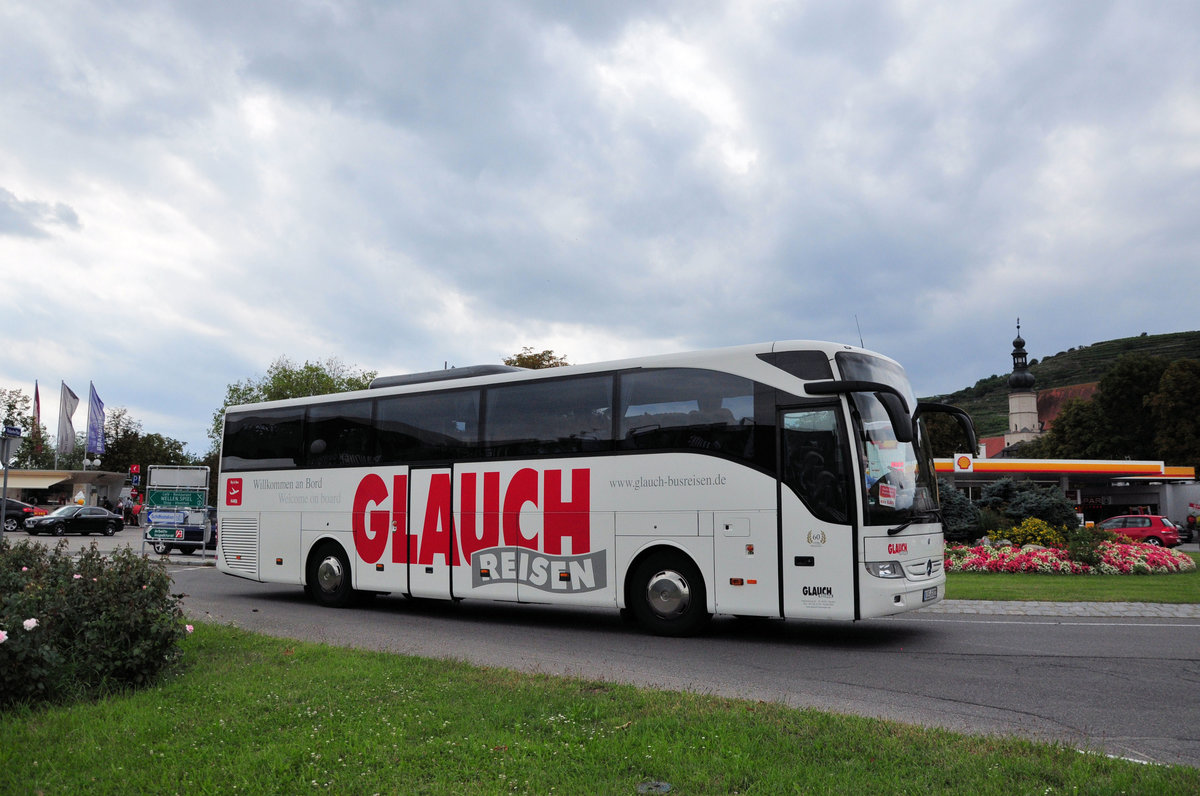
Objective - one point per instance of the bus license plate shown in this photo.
(929, 594)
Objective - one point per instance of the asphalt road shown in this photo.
(1125, 686)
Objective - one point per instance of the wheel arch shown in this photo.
(654, 548)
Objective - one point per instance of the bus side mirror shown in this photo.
(964, 420)
(893, 402)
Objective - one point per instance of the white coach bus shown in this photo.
(787, 479)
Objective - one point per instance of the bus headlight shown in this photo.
(885, 569)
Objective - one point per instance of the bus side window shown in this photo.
(266, 439)
(688, 409)
(340, 435)
(558, 416)
(428, 427)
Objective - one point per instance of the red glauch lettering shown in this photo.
(897, 549)
(488, 517)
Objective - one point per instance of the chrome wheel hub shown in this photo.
(668, 594)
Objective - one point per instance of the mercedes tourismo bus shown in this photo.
(778, 480)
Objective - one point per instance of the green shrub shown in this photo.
(1018, 500)
(1039, 532)
(1083, 545)
(994, 524)
(78, 625)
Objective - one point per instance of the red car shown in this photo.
(16, 512)
(1148, 528)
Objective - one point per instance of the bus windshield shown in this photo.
(899, 485)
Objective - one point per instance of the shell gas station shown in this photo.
(1099, 488)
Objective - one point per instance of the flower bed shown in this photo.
(1115, 559)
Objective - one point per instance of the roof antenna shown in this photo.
(861, 344)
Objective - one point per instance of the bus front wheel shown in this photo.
(667, 595)
(328, 578)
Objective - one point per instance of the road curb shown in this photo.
(1042, 608)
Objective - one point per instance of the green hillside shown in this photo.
(987, 401)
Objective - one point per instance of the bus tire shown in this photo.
(667, 594)
(329, 577)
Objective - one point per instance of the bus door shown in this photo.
(484, 566)
(816, 513)
(431, 531)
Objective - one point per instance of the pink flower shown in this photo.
(3, 636)
(188, 628)
(24, 569)
(77, 576)
(30, 624)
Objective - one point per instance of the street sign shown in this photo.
(167, 517)
(12, 431)
(175, 498)
(164, 533)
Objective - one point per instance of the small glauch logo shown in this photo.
(233, 492)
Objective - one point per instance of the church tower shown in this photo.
(1023, 422)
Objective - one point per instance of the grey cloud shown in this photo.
(33, 219)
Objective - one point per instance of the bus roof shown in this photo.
(740, 360)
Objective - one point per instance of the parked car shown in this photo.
(75, 519)
(17, 512)
(193, 535)
(1149, 528)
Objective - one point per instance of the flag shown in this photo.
(95, 435)
(67, 401)
(37, 419)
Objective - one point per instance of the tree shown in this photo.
(17, 408)
(528, 358)
(1176, 410)
(1079, 432)
(1129, 428)
(287, 380)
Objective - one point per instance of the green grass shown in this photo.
(1179, 587)
(252, 714)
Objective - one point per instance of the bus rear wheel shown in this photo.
(328, 578)
(667, 595)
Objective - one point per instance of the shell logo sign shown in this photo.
(964, 463)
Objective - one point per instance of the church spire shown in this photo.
(1021, 379)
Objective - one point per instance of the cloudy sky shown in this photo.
(190, 190)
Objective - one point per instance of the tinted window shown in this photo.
(808, 365)
(549, 417)
(340, 435)
(264, 439)
(426, 427)
(681, 408)
(815, 463)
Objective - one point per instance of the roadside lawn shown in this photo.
(1180, 587)
(254, 714)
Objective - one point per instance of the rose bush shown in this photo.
(70, 626)
(1114, 559)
